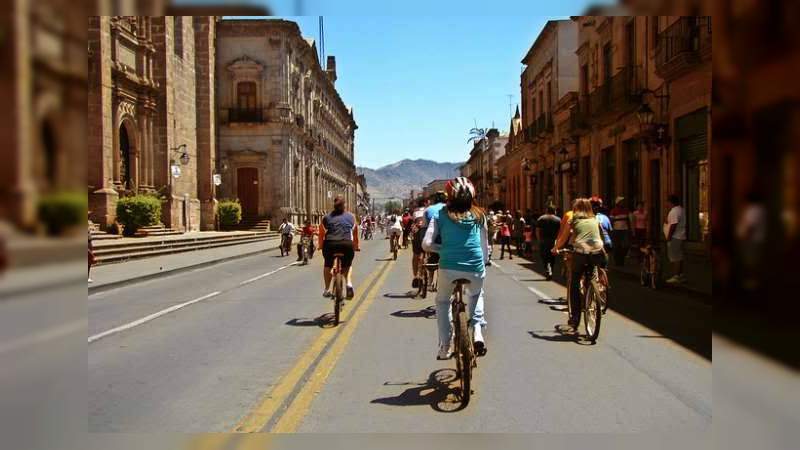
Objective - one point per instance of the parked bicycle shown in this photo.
(650, 266)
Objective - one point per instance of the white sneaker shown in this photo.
(444, 352)
(477, 340)
(327, 294)
(91, 280)
(675, 280)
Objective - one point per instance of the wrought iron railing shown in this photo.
(240, 115)
(619, 92)
(688, 36)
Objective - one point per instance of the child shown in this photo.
(528, 234)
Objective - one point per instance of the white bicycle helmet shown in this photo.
(460, 188)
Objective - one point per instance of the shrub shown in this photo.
(138, 211)
(230, 213)
(62, 210)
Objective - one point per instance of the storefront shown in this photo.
(691, 138)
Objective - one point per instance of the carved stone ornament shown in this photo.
(245, 65)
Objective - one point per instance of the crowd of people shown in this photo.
(451, 230)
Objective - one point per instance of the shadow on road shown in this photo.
(553, 301)
(555, 336)
(439, 392)
(323, 321)
(384, 259)
(410, 294)
(674, 315)
(428, 313)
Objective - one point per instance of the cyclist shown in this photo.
(339, 234)
(417, 233)
(406, 220)
(395, 226)
(462, 227)
(287, 232)
(585, 233)
(438, 200)
(605, 225)
(308, 231)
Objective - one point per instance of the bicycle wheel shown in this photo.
(644, 276)
(338, 296)
(394, 250)
(655, 275)
(424, 288)
(592, 311)
(465, 356)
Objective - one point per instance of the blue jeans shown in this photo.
(473, 296)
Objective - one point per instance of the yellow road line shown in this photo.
(258, 418)
(297, 410)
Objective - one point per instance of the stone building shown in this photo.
(545, 173)
(43, 116)
(151, 116)
(286, 138)
(642, 119)
(481, 167)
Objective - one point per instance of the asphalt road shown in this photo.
(245, 346)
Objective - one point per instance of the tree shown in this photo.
(392, 206)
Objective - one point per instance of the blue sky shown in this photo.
(418, 83)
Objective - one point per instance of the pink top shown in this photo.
(640, 219)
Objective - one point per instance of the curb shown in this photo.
(707, 297)
(138, 279)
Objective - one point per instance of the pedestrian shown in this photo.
(528, 241)
(546, 232)
(675, 234)
(620, 231)
(491, 223)
(640, 226)
(519, 232)
(505, 237)
(91, 257)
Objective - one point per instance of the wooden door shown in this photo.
(247, 190)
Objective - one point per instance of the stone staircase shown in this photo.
(157, 230)
(98, 235)
(261, 224)
(126, 249)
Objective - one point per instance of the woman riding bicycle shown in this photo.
(338, 233)
(587, 241)
(463, 252)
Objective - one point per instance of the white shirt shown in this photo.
(397, 224)
(676, 217)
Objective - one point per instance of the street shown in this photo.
(244, 346)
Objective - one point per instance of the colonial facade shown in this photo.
(543, 171)
(43, 116)
(151, 116)
(286, 138)
(481, 167)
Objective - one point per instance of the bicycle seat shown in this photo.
(461, 282)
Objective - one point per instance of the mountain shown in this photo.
(397, 179)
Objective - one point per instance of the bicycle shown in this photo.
(650, 267)
(464, 352)
(425, 274)
(393, 244)
(286, 244)
(337, 281)
(305, 249)
(592, 303)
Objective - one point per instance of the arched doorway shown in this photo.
(125, 158)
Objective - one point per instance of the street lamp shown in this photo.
(184, 155)
(646, 116)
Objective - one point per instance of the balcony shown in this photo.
(618, 94)
(682, 46)
(239, 115)
(578, 117)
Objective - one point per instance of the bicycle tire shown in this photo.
(592, 311)
(465, 357)
(424, 288)
(338, 296)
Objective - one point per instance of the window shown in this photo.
(607, 71)
(246, 95)
(584, 79)
(654, 31)
(541, 102)
(609, 175)
(177, 26)
(630, 43)
(549, 98)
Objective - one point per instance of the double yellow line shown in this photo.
(335, 340)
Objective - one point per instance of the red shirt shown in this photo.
(309, 230)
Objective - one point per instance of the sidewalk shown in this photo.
(115, 275)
